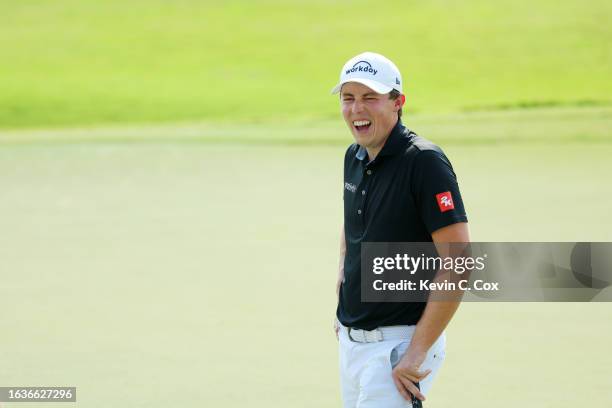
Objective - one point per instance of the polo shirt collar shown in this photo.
(392, 145)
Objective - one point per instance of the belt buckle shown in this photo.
(363, 338)
(366, 339)
(351, 337)
(378, 336)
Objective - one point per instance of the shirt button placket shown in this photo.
(363, 193)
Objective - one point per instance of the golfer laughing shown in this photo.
(398, 187)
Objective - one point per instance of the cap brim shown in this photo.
(373, 85)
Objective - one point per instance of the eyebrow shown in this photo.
(365, 94)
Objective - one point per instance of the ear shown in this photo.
(399, 102)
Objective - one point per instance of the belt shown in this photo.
(379, 334)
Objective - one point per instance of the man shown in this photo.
(398, 187)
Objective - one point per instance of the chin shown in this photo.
(361, 139)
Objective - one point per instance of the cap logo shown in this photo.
(361, 66)
(397, 81)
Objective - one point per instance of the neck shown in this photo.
(374, 150)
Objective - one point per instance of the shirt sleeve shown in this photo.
(436, 191)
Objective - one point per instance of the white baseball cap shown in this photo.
(372, 70)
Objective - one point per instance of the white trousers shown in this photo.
(365, 369)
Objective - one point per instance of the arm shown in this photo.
(437, 315)
(340, 278)
(435, 318)
(341, 266)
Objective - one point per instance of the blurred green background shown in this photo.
(73, 62)
(171, 183)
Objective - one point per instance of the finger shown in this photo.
(424, 374)
(415, 376)
(413, 389)
(407, 376)
(402, 390)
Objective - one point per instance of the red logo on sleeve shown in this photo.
(445, 201)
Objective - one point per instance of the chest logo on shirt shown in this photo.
(350, 187)
(445, 201)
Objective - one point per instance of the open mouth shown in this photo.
(362, 125)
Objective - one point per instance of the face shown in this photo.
(368, 114)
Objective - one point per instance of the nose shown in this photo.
(357, 106)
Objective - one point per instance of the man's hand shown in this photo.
(407, 373)
(336, 328)
(338, 284)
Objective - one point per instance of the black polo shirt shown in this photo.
(405, 194)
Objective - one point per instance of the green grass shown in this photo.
(511, 127)
(156, 273)
(68, 62)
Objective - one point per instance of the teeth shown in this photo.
(361, 122)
